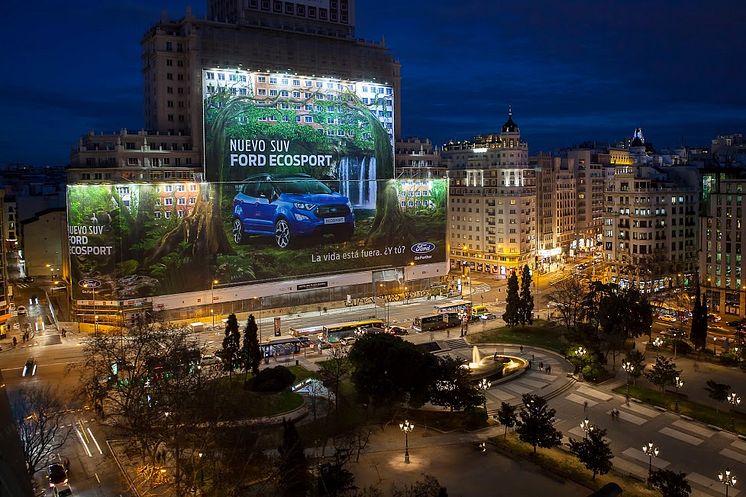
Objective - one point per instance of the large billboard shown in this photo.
(141, 240)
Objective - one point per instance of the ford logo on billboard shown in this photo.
(89, 283)
(423, 247)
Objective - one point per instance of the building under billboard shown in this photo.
(295, 201)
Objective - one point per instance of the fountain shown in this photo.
(498, 366)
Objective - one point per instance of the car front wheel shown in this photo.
(282, 233)
(237, 231)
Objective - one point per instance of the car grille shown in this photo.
(332, 211)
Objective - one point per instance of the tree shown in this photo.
(622, 313)
(567, 297)
(293, 468)
(669, 483)
(333, 370)
(512, 315)
(506, 416)
(38, 414)
(663, 372)
(526, 312)
(536, 423)
(231, 344)
(593, 452)
(637, 359)
(382, 367)
(452, 386)
(251, 355)
(427, 487)
(717, 392)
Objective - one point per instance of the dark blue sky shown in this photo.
(572, 70)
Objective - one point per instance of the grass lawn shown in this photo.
(705, 414)
(542, 333)
(238, 402)
(567, 466)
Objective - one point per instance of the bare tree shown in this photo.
(567, 297)
(38, 413)
(334, 369)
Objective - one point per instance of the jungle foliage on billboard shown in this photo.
(141, 240)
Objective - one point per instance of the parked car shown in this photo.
(714, 318)
(304, 341)
(668, 318)
(397, 330)
(211, 360)
(29, 369)
(488, 316)
(289, 206)
(21, 310)
(347, 341)
(57, 474)
(28, 279)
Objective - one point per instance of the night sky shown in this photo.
(573, 71)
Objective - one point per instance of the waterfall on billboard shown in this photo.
(357, 180)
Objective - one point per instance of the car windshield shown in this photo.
(302, 186)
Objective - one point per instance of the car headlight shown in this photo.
(304, 206)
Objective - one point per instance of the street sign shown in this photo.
(278, 330)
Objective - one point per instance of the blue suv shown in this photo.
(289, 206)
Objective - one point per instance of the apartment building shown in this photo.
(650, 226)
(556, 209)
(492, 201)
(4, 282)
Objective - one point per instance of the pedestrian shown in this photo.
(585, 406)
(15, 341)
(521, 349)
(533, 358)
(541, 365)
(529, 364)
(549, 369)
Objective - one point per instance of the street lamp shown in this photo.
(406, 294)
(734, 400)
(586, 426)
(261, 308)
(714, 344)
(95, 315)
(651, 451)
(658, 342)
(727, 479)
(628, 368)
(212, 301)
(485, 384)
(678, 383)
(406, 427)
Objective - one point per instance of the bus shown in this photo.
(454, 306)
(436, 321)
(280, 347)
(307, 331)
(335, 332)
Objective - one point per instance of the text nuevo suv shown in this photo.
(289, 206)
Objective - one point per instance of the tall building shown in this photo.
(4, 283)
(285, 39)
(722, 235)
(589, 196)
(492, 201)
(650, 225)
(556, 208)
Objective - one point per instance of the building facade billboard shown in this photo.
(143, 240)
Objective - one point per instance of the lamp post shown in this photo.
(658, 342)
(261, 309)
(586, 426)
(734, 400)
(484, 385)
(628, 368)
(406, 294)
(651, 451)
(678, 383)
(714, 345)
(212, 301)
(406, 427)
(728, 479)
(95, 314)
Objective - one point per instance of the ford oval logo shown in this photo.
(89, 283)
(423, 247)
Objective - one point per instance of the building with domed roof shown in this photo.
(492, 201)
